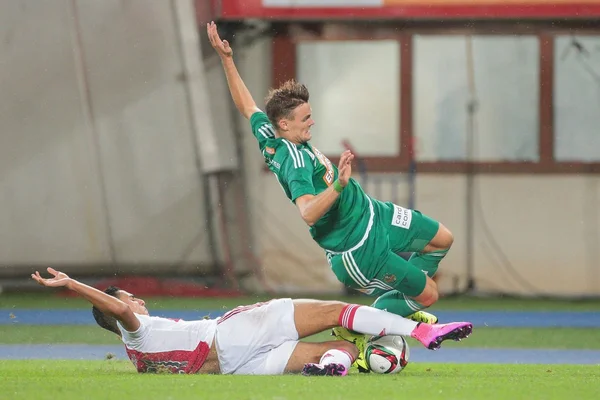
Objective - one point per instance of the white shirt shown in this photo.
(168, 345)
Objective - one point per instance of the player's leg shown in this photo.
(359, 269)
(322, 359)
(410, 289)
(291, 356)
(411, 231)
(398, 303)
(245, 336)
(312, 316)
(428, 239)
(353, 269)
(346, 271)
(263, 339)
(428, 258)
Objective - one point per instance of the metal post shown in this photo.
(470, 147)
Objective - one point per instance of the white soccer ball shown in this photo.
(387, 354)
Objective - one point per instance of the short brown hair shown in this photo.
(281, 102)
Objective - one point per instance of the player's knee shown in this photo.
(348, 347)
(442, 240)
(446, 238)
(430, 299)
(429, 295)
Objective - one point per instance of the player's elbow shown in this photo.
(310, 221)
(304, 206)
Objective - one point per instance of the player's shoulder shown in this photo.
(283, 146)
(151, 320)
(145, 326)
(261, 126)
(145, 319)
(259, 118)
(291, 155)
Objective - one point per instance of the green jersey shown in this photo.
(302, 169)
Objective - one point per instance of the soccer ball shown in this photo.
(387, 354)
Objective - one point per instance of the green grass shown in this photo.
(549, 338)
(95, 380)
(109, 379)
(53, 300)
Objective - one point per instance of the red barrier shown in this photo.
(413, 9)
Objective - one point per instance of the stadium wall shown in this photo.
(98, 166)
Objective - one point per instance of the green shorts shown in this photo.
(373, 266)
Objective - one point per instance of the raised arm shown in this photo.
(239, 92)
(107, 304)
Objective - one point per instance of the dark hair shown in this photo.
(281, 102)
(106, 321)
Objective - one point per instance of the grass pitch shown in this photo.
(520, 338)
(94, 380)
(117, 379)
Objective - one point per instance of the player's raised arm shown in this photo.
(239, 92)
(107, 304)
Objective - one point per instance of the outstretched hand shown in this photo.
(221, 46)
(345, 167)
(59, 279)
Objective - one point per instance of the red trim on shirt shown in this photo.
(175, 361)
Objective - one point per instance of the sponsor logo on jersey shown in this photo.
(389, 278)
(402, 217)
(329, 173)
(158, 367)
(270, 150)
(273, 163)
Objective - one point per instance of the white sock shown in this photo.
(336, 356)
(372, 321)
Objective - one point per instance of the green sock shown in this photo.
(397, 303)
(428, 262)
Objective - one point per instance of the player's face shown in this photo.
(138, 306)
(299, 126)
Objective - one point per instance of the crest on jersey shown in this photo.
(389, 278)
(270, 150)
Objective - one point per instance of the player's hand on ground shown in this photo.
(345, 167)
(59, 278)
(221, 46)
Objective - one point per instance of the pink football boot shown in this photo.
(432, 336)
(324, 370)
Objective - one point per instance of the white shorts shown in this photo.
(258, 339)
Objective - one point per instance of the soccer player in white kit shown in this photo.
(258, 339)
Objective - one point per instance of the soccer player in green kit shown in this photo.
(361, 236)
